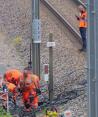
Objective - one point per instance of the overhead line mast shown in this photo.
(36, 37)
(93, 57)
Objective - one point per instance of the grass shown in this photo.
(3, 113)
(17, 40)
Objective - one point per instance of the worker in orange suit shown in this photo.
(13, 76)
(11, 88)
(82, 26)
(28, 85)
(36, 86)
(36, 79)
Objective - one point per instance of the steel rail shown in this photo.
(79, 2)
(62, 20)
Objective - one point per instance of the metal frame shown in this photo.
(93, 57)
(96, 55)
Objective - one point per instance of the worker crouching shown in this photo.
(29, 84)
(11, 88)
(13, 76)
(11, 81)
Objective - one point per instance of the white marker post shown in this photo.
(46, 72)
(50, 45)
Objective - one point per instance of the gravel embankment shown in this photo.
(68, 9)
(67, 59)
(9, 58)
(15, 21)
(68, 62)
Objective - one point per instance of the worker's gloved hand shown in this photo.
(19, 90)
(31, 98)
(27, 105)
(14, 101)
(38, 91)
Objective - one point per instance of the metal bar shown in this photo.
(96, 55)
(62, 19)
(35, 46)
(50, 69)
(30, 59)
(7, 102)
(30, 54)
(91, 59)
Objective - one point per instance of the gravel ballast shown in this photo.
(68, 63)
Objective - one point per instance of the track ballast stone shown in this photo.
(15, 21)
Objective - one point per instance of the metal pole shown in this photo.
(96, 56)
(91, 59)
(30, 61)
(35, 37)
(50, 69)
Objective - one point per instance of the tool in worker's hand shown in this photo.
(77, 17)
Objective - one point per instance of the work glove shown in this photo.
(77, 17)
(38, 91)
(27, 105)
(20, 90)
(31, 98)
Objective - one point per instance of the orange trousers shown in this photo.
(26, 98)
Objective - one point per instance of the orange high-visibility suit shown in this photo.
(36, 84)
(83, 19)
(29, 85)
(12, 88)
(83, 27)
(13, 76)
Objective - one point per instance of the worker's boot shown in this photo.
(82, 50)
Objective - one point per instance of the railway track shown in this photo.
(68, 9)
(67, 17)
(52, 12)
(62, 20)
(80, 2)
(62, 52)
(62, 81)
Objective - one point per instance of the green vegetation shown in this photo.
(17, 40)
(3, 113)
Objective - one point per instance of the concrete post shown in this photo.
(50, 68)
